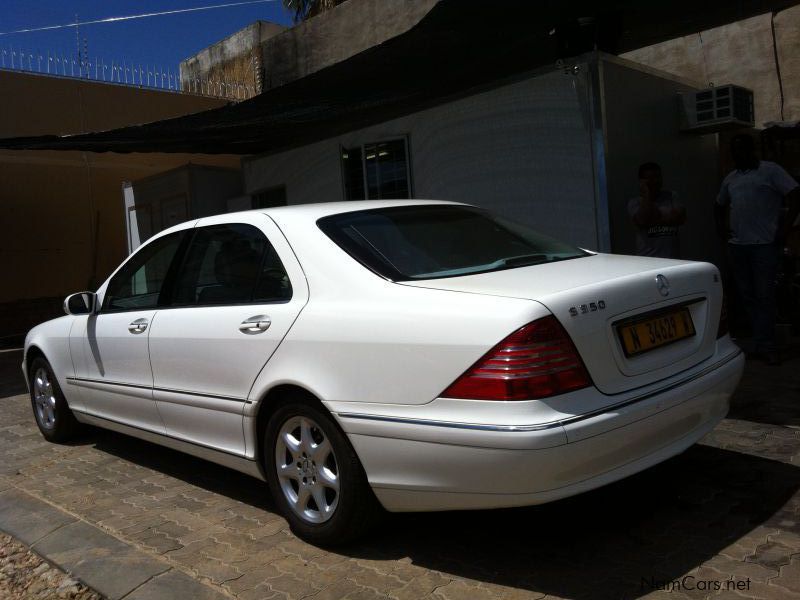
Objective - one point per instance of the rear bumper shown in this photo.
(423, 466)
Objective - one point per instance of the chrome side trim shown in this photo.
(451, 424)
(539, 426)
(241, 463)
(79, 380)
(197, 401)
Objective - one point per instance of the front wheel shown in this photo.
(53, 416)
(316, 477)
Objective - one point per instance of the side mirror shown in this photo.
(82, 303)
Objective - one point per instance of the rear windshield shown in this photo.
(404, 243)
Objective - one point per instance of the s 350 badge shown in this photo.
(583, 309)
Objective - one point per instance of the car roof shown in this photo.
(304, 213)
(323, 209)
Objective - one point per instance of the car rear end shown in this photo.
(461, 453)
(627, 364)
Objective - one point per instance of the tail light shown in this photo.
(722, 329)
(536, 361)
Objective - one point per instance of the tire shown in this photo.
(53, 416)
(308, 460)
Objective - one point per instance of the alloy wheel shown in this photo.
(44, 399)
(308, 472)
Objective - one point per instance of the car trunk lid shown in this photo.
(595, 296)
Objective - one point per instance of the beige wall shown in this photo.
(62, 226)
(336, 35)
(741, 53)
(39, 105)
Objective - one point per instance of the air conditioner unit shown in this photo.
(716, 109)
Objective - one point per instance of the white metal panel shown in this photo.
(523, 150)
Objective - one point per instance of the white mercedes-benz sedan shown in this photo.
(410, 355)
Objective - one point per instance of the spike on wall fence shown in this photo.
(120, 73)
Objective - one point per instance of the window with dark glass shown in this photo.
(427, 242)
(377, 171)
(353, 173)
(140, 282)
(230, 264)
(270, 197)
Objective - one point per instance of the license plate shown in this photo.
(650, 333)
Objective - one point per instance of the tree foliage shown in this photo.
(305, 9)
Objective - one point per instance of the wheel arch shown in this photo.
(273, 399)
(364, 507)
(32, 352)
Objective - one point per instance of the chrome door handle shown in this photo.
(255, 324)
(138, 326)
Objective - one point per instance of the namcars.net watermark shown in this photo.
(690, 582)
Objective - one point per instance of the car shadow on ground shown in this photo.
(623, 540)
(620, 541)
(769, 395)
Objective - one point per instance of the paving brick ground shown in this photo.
(726, 510)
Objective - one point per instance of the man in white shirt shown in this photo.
(656, 213)
(755, 193)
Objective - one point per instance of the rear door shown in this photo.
(235, 296)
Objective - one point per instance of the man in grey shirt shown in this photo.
(656, 214)
(755, 193)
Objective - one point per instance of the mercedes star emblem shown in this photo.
(662, 283)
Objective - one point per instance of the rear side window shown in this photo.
(140, 282)
(431, 241)
(230, 264)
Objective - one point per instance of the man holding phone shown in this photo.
(656, 213)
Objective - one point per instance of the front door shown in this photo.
(236, 295)
(112, 361)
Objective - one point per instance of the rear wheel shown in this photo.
(53, 416)
(316, 477)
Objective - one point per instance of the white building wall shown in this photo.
(523, 150)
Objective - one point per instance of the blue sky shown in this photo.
(163, 40)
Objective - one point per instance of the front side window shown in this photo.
(230, 264)
(140, 282)
(377, 171)
(426, 242)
